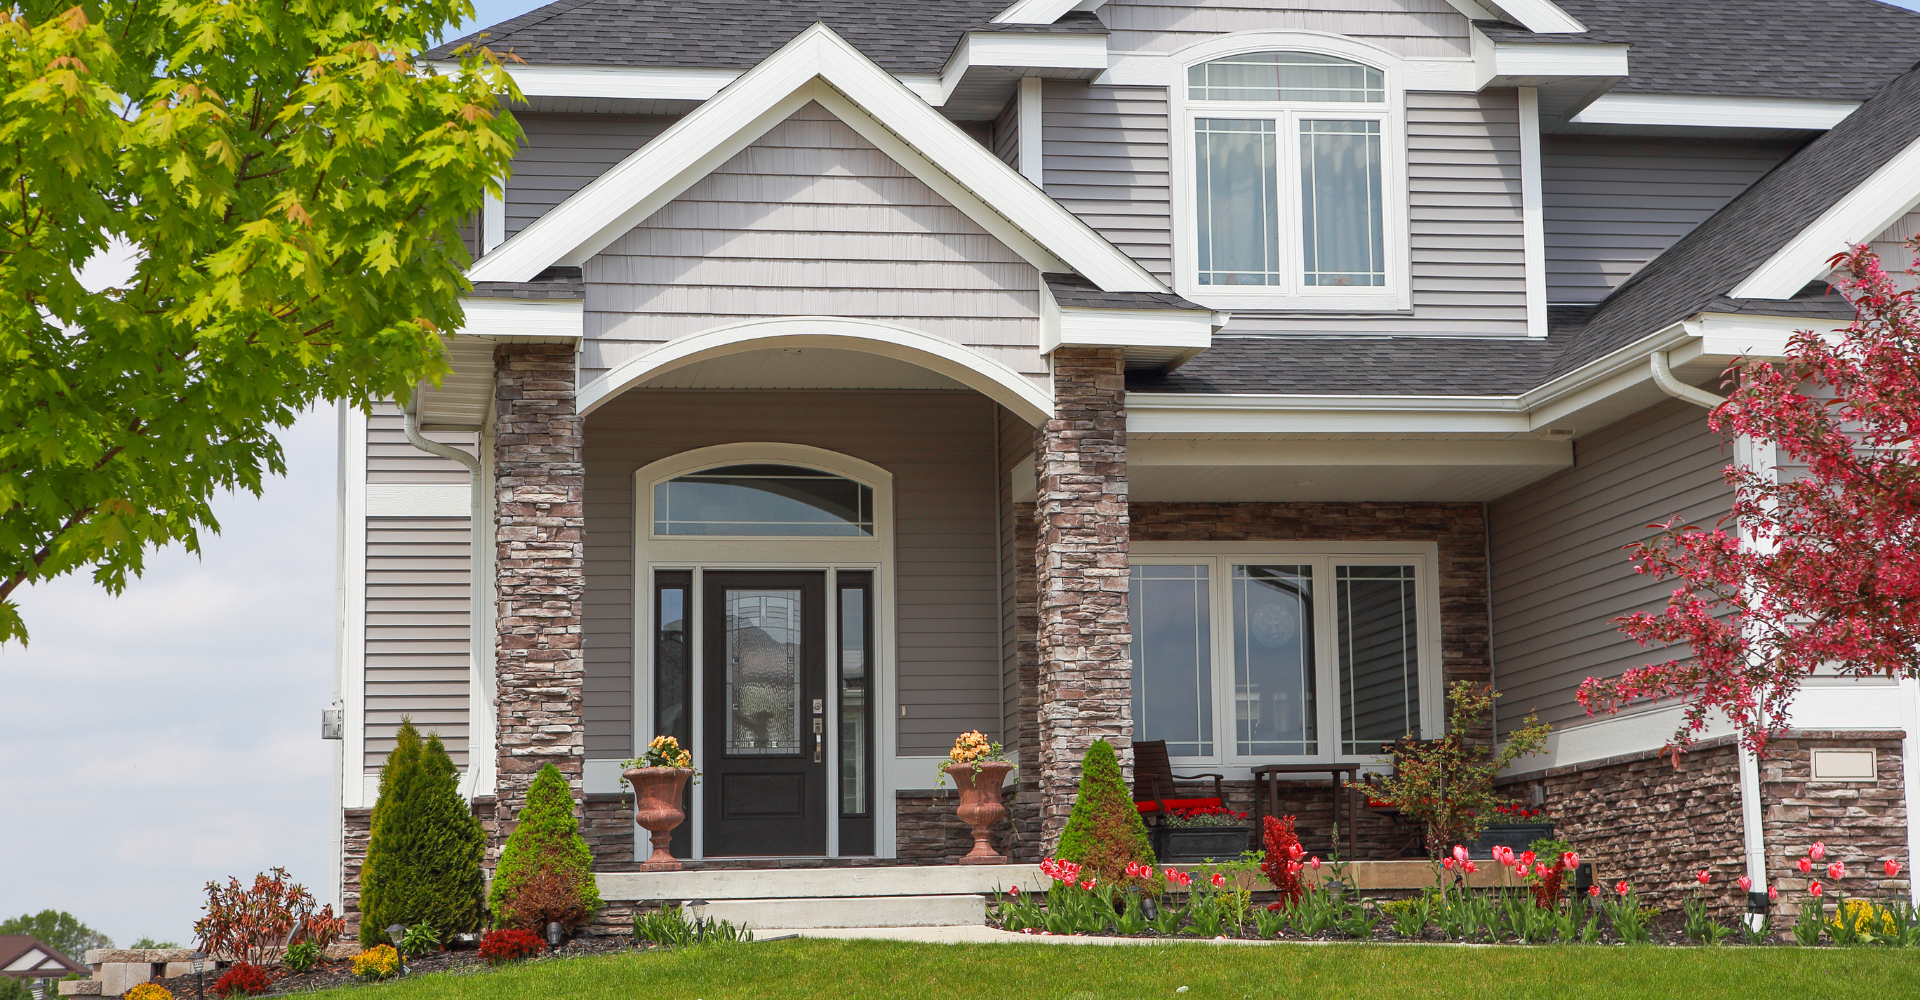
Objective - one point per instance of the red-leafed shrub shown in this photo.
(1282, 861)
(244, 979)
(510, 945)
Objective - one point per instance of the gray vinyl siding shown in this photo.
(418, 589)
(1468, 253)
(1407, 27)
(561, 153)
(1890, 244)
(810, 220)
(1611, 204)
(1106, 155)
(947, 619)
(1560, 572)
(1006, 132)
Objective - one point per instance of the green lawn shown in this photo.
(830, 970)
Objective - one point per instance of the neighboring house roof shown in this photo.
(903, 36)
(1817, 49)
(24, 957)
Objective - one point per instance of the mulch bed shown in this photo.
(328, 975)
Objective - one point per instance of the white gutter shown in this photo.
(477, 585)
(1663, 377)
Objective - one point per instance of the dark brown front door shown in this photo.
(765, 706)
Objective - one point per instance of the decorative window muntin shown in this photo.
(762, 501)
(1286, 76)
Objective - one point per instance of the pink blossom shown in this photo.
(1503, 854)
(1818, 851)
(1542, 870)
(1892, 867)
(1814, 887)
(1746, 884)
(1772, 894)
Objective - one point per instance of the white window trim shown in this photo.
(1396, 294)
(829, 553)
(1424, 556)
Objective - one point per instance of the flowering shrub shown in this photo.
(510, 945)
(1204, 816)
(377, 962)
(1447, 784)
(147, 991)
(244, 979)
(972, 748)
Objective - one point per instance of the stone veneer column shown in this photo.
(539, 574)
(1080, 512)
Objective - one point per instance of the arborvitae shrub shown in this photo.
(423, 858)
(546, 843)
(1104, 831)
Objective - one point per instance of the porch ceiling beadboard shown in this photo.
(938, 445)
(1560, 577)
(811, 219)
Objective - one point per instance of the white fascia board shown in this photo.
(1178, 329)
(1237, 413)
(1532, 64)
(1737, 335)
(1020, 50)
(921, 139)
(525, 321)
(655, 83)
(1036, 11)
(1707, 111)
(1891, 192)
(1145, 450)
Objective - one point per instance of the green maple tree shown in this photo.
(290, 181)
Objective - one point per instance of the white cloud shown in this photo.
(152, 742)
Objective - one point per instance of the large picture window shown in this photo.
(1291, 179)
(1310, 656)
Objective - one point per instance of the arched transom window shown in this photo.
(762, 501)
(1289, 173)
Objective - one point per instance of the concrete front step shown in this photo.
(814, 912)
(798, 883)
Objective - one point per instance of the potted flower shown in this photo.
(659, 779)
(979, 767)
(1515, 829)
(1201, 834)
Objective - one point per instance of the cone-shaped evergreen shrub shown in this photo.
(1104, 831)
(545, 844)
(423, 859)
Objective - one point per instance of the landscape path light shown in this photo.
(199, 959)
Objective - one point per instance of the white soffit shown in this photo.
(1878, 202)
(465, 394)
(1328, 471)
(1703, 111)
(525, 321)
(818, 65)
(1539, 64)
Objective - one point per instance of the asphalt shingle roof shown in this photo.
(1074, 291)
(1370, 366)
(1827, 49)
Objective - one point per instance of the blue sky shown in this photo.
(154, 741)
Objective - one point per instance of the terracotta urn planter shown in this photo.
(656, 807)
(981, 806)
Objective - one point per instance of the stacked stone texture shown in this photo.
(928, 831)
(538, 487)
(606, 824)
(1084, 679)
(1862, 823)
(1029, 836)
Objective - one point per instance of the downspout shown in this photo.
(476, 509)
(1753, 834)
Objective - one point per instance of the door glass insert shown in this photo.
(1172, 658)
(763, 672)
(1273, 679)
(672, 674)
(854, 685)
(763, 501)
(1379, 661)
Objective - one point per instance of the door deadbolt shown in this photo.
(819, 707)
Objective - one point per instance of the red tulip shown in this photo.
(1293, 867)
(1295, 851)
(1467, 866)
(1818, 851)
(1315, 862)
(1805, 866)
(1814, 887)
(1621, 889)
(1447, 863)
(1746, 884)
(1836, 871)
(1772, 894)
(1892, 867)
(1219, 881)
(1593, 890)
(1704, 877)
(1542, 870)
(1526, 859)
(1504, 855)
(1015, 891)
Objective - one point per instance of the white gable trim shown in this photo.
(1706, 111)
(1036, 11)
(970, 368)
(1880, 200)
(817, 65)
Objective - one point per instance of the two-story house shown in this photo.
(839, 377)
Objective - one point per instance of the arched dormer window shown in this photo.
(762, 501)
(1294, 160)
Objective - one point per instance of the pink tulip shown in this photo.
(1504, 855)
(1293, 867)
(1805, 866)
(1315, 862)
(1836, 871)
(1542, 870)
(1219, 881)
(1088, 884)
(1621, 889)
(1459, 853)
(1746, 884)
(1704, 877)
(1892, 867)
(1570, 860)
(1814, 887)
(1818, 851)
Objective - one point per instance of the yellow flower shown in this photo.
(377, 962)
(147, 991)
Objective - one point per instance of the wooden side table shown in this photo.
(1266, 795)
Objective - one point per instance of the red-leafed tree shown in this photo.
(1821, 570)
